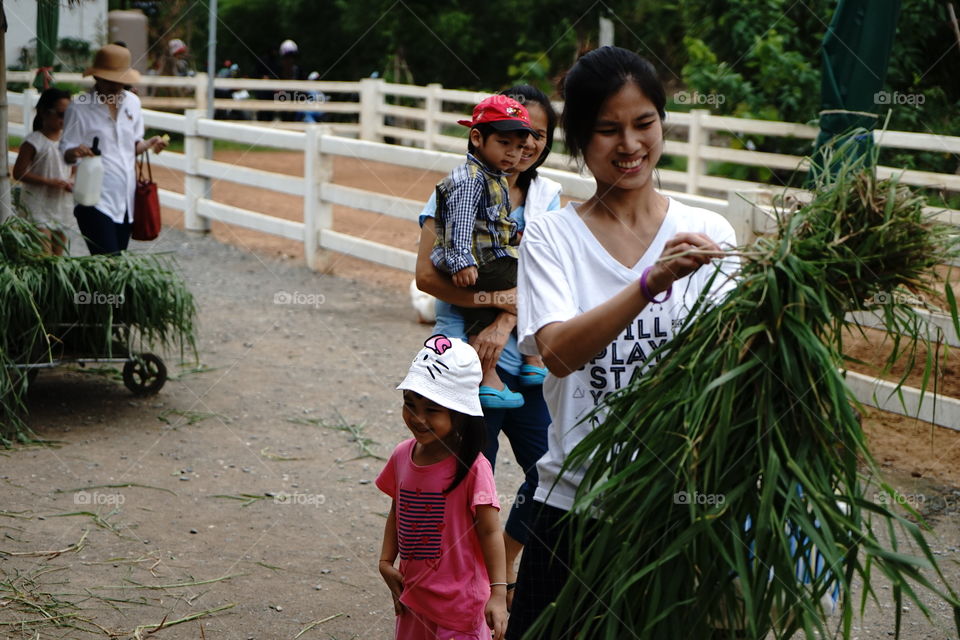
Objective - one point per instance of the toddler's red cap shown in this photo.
(503, 113)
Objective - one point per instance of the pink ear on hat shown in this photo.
(438, 343)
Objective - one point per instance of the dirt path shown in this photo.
(266, 417)
(248, 484)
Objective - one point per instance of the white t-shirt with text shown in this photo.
(564, 271)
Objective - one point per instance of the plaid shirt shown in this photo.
(473, 227)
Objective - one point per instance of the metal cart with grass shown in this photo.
(144, 373)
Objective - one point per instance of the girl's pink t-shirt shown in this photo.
(444, 575)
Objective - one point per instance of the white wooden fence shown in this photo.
(319, 146)
(383, 110)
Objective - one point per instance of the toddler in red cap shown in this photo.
(476, 240)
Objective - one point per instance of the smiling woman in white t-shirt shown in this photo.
(598, 290)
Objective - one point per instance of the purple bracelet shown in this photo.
(646, 290)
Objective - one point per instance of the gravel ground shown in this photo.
(244, 488)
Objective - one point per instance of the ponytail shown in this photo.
(472, 432)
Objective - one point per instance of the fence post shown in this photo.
(195, 186)
(317, 171)
(29, 99)
(200, 91)
(745, 211)
(434, 107)
(698, 136)
(371, 97)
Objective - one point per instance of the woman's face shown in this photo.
(108, 87)
(533, 147)
(627, 140)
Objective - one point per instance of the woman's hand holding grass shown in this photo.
(683, 254)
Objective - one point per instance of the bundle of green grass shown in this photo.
(749, 403)
(52, 305)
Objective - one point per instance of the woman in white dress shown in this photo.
(45, 176)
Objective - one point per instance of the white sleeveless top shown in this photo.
(45, 205)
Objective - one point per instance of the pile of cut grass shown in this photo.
(54, 305)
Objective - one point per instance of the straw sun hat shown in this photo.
(112, 62)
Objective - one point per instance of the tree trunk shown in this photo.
(6, 205)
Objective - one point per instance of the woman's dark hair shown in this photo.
(472, 432)
(595, 77)
(47, 102)
(526, 94)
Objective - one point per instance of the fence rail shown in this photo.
(423, 115)
(319, 145)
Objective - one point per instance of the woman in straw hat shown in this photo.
(112, 115)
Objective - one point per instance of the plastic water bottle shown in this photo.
(86, 189)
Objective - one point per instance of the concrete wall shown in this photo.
(86, 20)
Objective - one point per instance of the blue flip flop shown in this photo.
(531, 376)
(491, 398)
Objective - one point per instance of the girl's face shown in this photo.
(627, 140)
(53, 118)
(429, 422)
(533, 147)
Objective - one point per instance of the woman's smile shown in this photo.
(630, 166)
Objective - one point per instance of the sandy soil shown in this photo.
(246, 483)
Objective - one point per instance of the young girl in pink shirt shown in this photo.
(444, 521)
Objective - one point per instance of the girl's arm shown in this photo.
(495, 557)
(388, 555)
(566, 346)
(21, 169)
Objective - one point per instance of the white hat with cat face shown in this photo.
(447, 371)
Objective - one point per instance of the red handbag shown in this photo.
(146, 203)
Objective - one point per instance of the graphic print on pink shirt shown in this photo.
(420, 524)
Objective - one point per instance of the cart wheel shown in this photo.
(144, 374)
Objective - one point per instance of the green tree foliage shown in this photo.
(762, 56)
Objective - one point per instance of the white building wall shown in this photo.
(86, 20)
